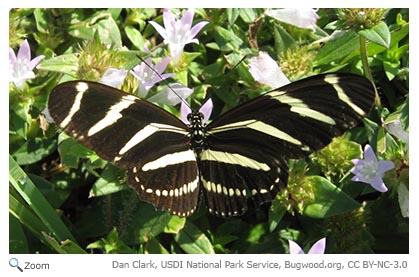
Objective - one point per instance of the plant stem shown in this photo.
(367, 71)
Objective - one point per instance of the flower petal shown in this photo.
(295, 248)
(187, 18)
(167, 96)
(12, 56)
(355, 169)
(184, 112)
(24, 52)
(301, 18)
(32, 64)
(176, 51)
(384, 166)
(403, 196)
(319, 247)
(396, 129)
(168, 19)
(161, 31)
(162, 64)
(113, 77)
(369, 154)
(266, 71)
(360, 178)
(378, 184)
(206, 110)
(195, 29)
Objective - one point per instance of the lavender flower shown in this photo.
(266, 71)
(403, 196)
(21, 66)
(147, 77)
(395, 128)
(317, 248)
(301, 18)
(168, 97)
(370, 170)
(113, 77)
(177, 33)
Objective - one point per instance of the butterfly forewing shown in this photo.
(298, 118)
(135, 135)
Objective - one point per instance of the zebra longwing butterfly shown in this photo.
(241, 154)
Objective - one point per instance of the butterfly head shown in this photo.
(195, 118)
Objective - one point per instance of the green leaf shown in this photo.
(151, 227)
(283, 40)
(54, 195)
(276, 212)
(112, 244)
(25, 215)
(102, 24)
(135, 37)
(175, 225)
(248, 15)
(232, 15)
(19, 118)
(34, 198)
(153, 246)
(193, 241)
(391, 68)
(65, 247)
(381, 140)
(329, 199)
(338, 48)
(227, 40)
(67, 64)
(372, 129)
(109, 182)
(71, 151)
(379, 34)
(228, 232)
(34, 150)
(396, 36)
(70, 247)
(404, 114)
(18, 243)
(148, 223)
(41, 20)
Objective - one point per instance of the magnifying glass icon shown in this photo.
(13, 262)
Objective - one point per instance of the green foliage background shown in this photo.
(64, 199)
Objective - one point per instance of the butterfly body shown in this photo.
(241, 154)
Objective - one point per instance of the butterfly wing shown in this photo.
(249, 144)
(135, 135)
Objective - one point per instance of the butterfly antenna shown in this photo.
(239, 62)
(165, 81)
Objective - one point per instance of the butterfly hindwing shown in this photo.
(174, 187)
(230, 177)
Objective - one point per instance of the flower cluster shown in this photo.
(176, 33)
